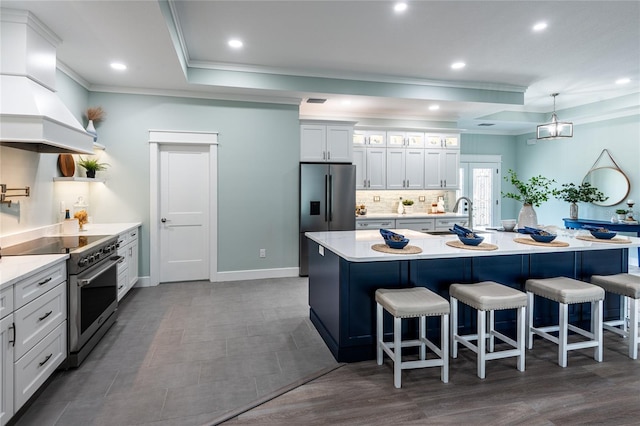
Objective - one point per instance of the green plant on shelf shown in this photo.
(407, 202)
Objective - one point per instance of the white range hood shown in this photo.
(32, 116)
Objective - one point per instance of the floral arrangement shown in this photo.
(82, 217)
(535, 191)
(584, 193)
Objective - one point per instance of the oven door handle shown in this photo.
(112, 261)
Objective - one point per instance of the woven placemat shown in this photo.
(481, 246)
(406, 250)
(614, 240)
(533, 242)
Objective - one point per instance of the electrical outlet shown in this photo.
(421, 199)
(263, 252)
(376, 198)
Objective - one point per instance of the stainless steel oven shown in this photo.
(92, 306)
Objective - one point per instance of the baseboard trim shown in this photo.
(257, 274)
(144, 282)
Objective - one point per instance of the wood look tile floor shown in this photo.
(187, 353)
(585, 392)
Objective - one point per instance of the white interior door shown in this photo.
(480, 181)
(184, 212)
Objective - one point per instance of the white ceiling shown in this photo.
(587, 46)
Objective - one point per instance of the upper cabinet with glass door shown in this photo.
(405, 139)
(369, 138)
(448, 141)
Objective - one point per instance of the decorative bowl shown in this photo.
(387, 235)
(603, 235)
(397, 244)
(508, 224)
(543, 238)
(476, 240)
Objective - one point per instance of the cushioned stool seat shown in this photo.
(567, 291)
(487, 297)
(627, 286)
(419, 303)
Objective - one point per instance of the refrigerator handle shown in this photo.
(330, 197)
(326, 197)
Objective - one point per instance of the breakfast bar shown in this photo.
(345, 271)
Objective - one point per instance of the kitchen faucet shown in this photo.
(455, 210)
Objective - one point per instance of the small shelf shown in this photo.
(77, 179)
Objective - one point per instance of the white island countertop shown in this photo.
(355, 246)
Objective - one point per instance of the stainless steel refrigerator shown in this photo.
(327, 202)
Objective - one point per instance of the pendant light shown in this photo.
(555, 129)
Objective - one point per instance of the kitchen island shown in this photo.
(344, 272)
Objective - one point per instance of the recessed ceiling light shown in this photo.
(458, 65)
(400, 7)
(623, 81)
(118, 66)
(235, 43)
(434, 107)
(540, 26)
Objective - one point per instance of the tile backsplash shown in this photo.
(389, 200)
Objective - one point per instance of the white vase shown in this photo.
(527, 217)
(573, 211)
(91, 129)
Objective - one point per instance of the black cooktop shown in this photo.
(52, 245)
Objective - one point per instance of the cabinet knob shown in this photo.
(163, 220)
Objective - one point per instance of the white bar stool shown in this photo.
(628, 287)
(567, 291)
(417, 302)
(487, 297)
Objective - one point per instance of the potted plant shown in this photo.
(622, 214)
(531, 193)
(408, 206)
(92, 165)
(573, 194)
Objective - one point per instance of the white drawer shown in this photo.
(123, 239)
(123, 281)
(33, 369)
(6, 301)
(420, 225)
(375, 224)
(38, 318)
(445, 224)
(31, 287)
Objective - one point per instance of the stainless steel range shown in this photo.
(92, 286)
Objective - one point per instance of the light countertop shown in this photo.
(15, 268)
(381, 216)
(355, 246)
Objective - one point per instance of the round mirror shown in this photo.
(611, 182)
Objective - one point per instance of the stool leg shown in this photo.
(624, 314)
(520, 336)
(379, 333)
(444, 347)
(562, 334)
(596, 314)
(633, 328)
(397, 352)
(530, 298)
(454, 327)
(482, 342)
(492, 325)
(423, 336)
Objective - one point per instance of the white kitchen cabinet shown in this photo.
(397, 139)
(441, 169)
(420, 225)
(375, 223)
(128, 267)
(445, 224)
(7, 340)
(405, 168)
(326, 143)
(369, 138)
(371, 167)
(446, 141)
(39, 338)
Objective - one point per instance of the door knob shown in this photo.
(163, 220)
